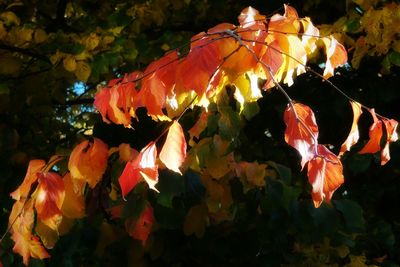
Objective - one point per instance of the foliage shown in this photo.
(233, 193)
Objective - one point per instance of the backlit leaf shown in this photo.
(301, 130)
(173, 152)
(49, 197)
(375, 136)
(88, 161)
(391, 127)
(336, 55)
(34, 167)
(325, 174)
(143, 166)
(353, 136)
(26, 244)
(74, 202)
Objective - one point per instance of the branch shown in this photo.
(24, 51)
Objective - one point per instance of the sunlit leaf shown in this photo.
(88, 161)
(375, 136)
(173, 152)
(49, 197)
(325, 174)
(301, 130)
(143, 166)
(353, 136)
(34, 167)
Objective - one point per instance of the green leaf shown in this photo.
(394, 58)
(170, 184)
(250, 109)
(352, 214)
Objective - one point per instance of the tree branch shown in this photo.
(24, 51)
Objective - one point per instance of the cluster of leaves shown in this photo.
(264, 49)
(218, 188)
(370, 29)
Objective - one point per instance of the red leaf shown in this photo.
(325, 174)
(301, 131)
(50, 195)
(375, 136)
(157, 84)
(173, 152)
(354, 134)
(143, 166)
(391, 126)
(34, 167)
(88, 161)
(142, 226)
(115, 101)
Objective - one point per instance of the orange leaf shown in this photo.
(88, 161)
(325, 174)
(375, 136)
(34, 167)
(354, 134)
(173, 152)
(158, 83)
(196, 71)
(74, 203)
(301, 130)
(26, 244)
(336, 55)
(143, 166)
(115, 101)
(199, 126)
(391, 126)
(142, 227)
(49, 197)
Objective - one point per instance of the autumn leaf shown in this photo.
(198, 127)
(49, 197)
(391, 136)
(301, 130)
(325, 174)
(141, 228)
(375, 135)
(88, 161)
(143, 166)
(353, 136)
(34, 167)
(336, 55)
(173, 152)
(251, 172)
(74, 202)
(21, 222)
(196, 221)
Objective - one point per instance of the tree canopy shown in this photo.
(196, 133)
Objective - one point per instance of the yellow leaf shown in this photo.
(82, 71)
(217, 162)
(69, 63)
(40, 36)
(55, 58)
(9, 18)
(196, 221)
(107, 40)
(25, 35)
(74, 203)
(48, 236)
(116, 30)
(92, 41)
